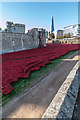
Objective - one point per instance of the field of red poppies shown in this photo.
(19, 64)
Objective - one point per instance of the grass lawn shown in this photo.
(23, 84)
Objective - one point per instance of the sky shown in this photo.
(39, 14)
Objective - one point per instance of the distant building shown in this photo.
(15, 28)
(58, 33)
(52, 25)
(74, 30)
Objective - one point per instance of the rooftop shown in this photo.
(71, 25)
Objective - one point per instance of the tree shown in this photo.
(60, 37)
(65, 36)
(51, 36)
(5, 29)
(0, 29)
(68, 35)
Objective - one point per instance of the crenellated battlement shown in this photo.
(15, 28)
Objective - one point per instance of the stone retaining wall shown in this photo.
(68, 41)
(62, 105)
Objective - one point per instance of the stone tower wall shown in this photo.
(16, 42)
(15, 28)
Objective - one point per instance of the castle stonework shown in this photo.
(17, 41)
(15, 28)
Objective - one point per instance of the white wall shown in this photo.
(71, 30)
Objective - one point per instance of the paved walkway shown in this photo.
(33, 103)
